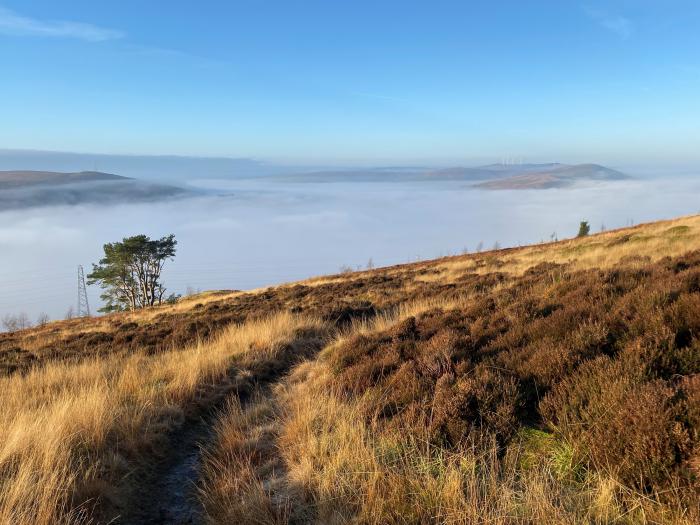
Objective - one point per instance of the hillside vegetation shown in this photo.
(554, 383)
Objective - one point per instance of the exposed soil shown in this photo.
(167, 495)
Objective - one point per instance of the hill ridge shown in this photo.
(24, 178)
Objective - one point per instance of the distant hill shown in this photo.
(26, 189)
(492, 176)
(24, 178)
(397, 174)
(154, 168)
(556, 176)
(490, 171)
(404, 174)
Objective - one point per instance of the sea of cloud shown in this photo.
(250, 233)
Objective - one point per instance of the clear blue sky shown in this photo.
(354, 81)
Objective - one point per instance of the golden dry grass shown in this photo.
(241, 471)
(70, 433)
(602, 250)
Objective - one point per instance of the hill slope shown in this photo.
(556, 176)
(493, 176)
(545, 384)
(24, 178)
(24, 189)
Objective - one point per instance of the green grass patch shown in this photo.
(542, 447)
(677, 231)
(580, 248)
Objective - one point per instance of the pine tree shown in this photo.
(584, 229)
(129, 273)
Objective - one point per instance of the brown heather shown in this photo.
(551, 384)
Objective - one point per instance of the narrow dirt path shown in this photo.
(178, 503)
(167, 493)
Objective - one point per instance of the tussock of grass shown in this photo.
(240, 471)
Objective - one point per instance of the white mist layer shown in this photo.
(268, 232)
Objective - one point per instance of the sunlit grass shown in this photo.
(70, 433)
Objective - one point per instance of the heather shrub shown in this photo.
(635, 429)
(601, 365)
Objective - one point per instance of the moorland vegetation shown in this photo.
(554, 383)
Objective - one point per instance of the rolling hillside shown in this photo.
(553, 383)
(492, 176)
(26, 178)
(26, 189)
(554, 176)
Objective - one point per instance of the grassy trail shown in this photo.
(169, 492)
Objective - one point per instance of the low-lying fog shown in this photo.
(265, 231)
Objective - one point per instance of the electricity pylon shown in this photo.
(83, 305)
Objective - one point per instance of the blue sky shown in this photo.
(355, 81)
